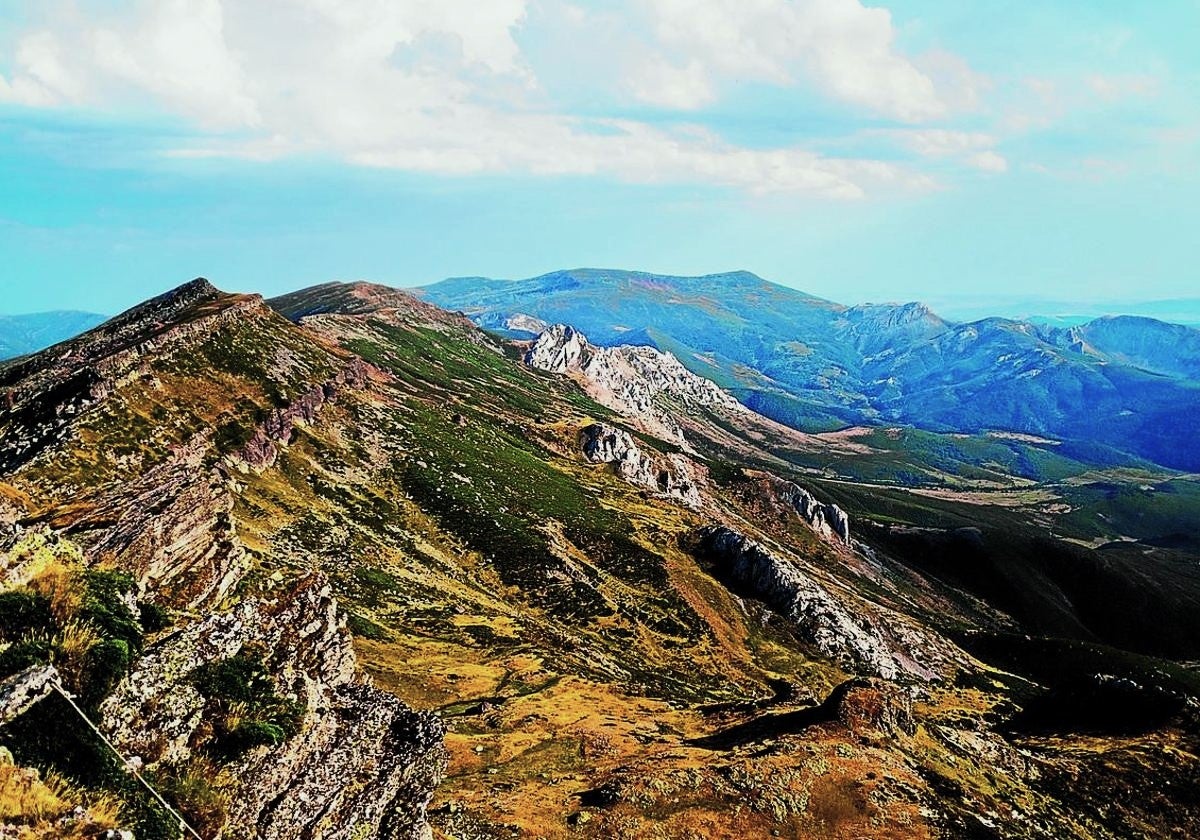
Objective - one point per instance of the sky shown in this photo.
(970, 151)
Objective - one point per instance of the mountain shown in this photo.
(342, 564)
(1113, 390)
(21, 334)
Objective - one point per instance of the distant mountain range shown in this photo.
(22, 334)
(1110, 389)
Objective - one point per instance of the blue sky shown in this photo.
(961, 151)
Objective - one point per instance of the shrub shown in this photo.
(23, 654)
(105, 608)
(105, 665)
(23, 612)
(153, 617)
(367, 629)
(242, 677)
(250, 711)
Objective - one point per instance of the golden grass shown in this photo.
(40, 804)
(62, 584)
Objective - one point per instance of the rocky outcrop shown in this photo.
(262, 450)
(827, 519)
(870, 641)
(632, 380)
(172, 528)
(672, 476)
(867, 705)
(20, 691)
(363, 763)
(822, 620)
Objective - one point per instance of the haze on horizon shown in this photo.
(972, 156)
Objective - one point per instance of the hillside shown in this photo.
(1110, 391)
(341, 564)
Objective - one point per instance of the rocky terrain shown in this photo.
(341, 564)
(642, 382)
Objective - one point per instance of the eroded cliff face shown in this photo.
(362, 764)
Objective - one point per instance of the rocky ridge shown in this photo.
(864, 641)
(630, 379)
(362, 764)
(41, 395)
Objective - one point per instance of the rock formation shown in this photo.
(862, 641)
(670, 475)
(629, 379)
(828, 520)
(362, 765)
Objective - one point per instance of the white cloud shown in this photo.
(989, 161)
(974, 148)
(842, 47)
(1112, 88)
(660, 82)
(941, 142)
(442, 85)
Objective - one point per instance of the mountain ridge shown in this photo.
(828, 366)
(346, 546)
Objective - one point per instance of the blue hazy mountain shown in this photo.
(1113, 385)
(21, 334)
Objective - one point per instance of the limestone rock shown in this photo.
(632, 380)
(363, 764)
(828, 520)
(22, 690)
(672, 475)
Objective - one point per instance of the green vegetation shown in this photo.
(81, 621)
(248, 711)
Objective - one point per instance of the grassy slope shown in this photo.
(543, 605)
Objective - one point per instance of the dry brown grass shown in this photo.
(62, 584)
(38, 805)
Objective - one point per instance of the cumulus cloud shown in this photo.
(974, 148)
(443, 86)
(842, 47)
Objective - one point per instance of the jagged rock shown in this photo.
(872, 705)
(672, 475)
(22, 690)
(628, 379)
(262, 450)
(363, 764)
(172, 528)
(828, 520)
(839, 631)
